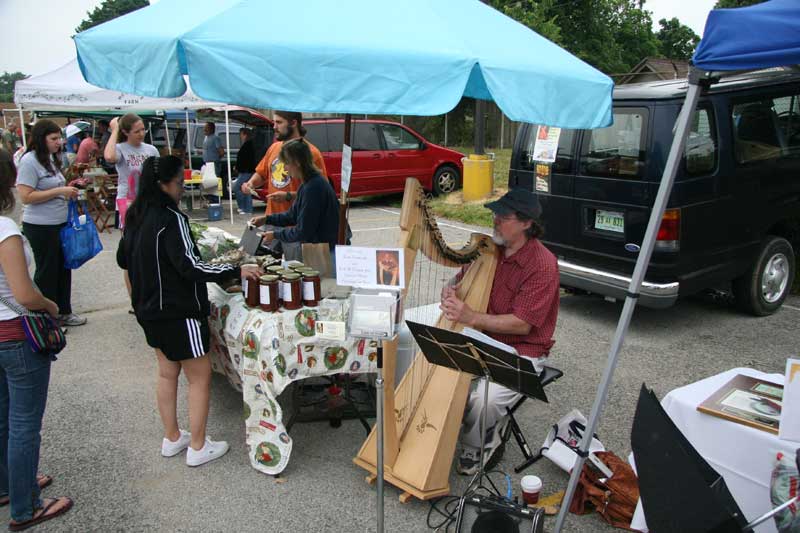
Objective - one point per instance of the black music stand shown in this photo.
(466, 354)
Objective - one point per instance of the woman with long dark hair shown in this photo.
(24, 375)
(42, 188)
(168, 292)
(314, 216)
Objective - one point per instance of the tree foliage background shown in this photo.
(109, 9)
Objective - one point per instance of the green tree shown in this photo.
(110, 9)
(7, 80)
(611, 35)
(676, 40)
(736, 3)
(538, 16)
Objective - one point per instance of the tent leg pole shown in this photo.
(166, 135)
(188, 139)
(228, 156)
(659, 206)
(22, 129)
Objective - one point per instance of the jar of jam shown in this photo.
(312, 292)
(292, 291)
(250, 289)
(268, 296)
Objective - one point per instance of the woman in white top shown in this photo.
(128, 151)
(24, 375)
(42, 188)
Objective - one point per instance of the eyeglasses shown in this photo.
(504, 218)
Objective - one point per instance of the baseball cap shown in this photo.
(517, 201)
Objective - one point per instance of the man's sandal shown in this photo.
(49, 510)
(42, 479)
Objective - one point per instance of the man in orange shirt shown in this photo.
(281, 187)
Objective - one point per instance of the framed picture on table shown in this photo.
(749, 401)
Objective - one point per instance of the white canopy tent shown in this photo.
(65, 89)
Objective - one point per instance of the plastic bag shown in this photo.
(563, 439)
(79, 240)
(210, 180)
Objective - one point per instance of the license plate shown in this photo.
(609, 221)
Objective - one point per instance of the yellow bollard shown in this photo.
(478, 176)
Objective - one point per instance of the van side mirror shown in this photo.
(423, 146)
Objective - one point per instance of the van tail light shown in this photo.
(668, 238)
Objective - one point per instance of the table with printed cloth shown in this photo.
(262, 353)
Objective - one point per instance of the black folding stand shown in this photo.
(546, 376)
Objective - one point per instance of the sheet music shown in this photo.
(538, 364)
(483, 337)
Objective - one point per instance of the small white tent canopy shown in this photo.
(65, 89)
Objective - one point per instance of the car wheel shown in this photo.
(445, 180)
(763, 288)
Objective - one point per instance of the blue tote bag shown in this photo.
(79, 241)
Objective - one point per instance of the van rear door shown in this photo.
(611, 195)
(554, 191)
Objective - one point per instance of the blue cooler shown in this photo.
(214, 212)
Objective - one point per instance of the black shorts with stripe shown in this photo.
(178, 339)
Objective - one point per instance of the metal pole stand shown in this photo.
(379, 423)
(479, 474)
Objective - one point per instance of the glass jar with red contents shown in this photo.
(268, 296)
(250, 289)
(292, 291)
(312, 291)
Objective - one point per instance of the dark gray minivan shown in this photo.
(733, 218)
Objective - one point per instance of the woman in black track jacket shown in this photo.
(168, 292)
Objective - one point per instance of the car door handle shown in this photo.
(392, 155)
(376, 156)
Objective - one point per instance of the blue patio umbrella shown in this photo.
(416, 57)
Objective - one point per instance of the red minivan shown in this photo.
(385, 153)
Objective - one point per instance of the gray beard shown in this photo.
(498, 240)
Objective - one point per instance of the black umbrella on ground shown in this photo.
(680, 491)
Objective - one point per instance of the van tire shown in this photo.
(777, 257)
(446, 180)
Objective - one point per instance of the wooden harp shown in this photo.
(423, 414)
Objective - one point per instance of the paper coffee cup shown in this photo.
(531, 487)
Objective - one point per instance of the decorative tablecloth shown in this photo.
(262, 353)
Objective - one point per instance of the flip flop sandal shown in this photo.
(42, 479)
(43, 516)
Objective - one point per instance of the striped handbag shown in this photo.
(42, 332)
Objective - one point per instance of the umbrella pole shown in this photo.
(228, 154)
(342, 235)
(166, 135)
(660, 205)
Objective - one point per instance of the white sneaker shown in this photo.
(242, 212)
(211, 450)
(170, 448)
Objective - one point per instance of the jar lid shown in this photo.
(269, 278)
(285, 271)
(311, 273)
(274, 268)
(293, 276)
(294, 264)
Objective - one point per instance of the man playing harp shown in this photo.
(522, 312)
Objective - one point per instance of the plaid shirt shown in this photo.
(527, 286)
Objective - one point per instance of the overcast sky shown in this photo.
(38, 40)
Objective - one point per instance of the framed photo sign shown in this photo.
(749, 401)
